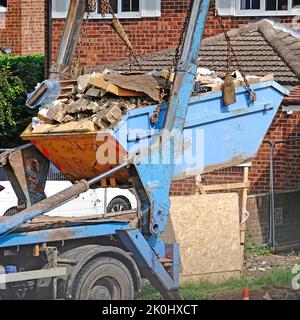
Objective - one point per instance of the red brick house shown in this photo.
(155, 25)
(152, 25)
(22, 26)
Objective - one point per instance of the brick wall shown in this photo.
(148, 35)
(10, 33)
(25, 26)
(22, 27)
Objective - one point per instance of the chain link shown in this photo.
(107, 8)
(231, 53)
(104, 8)
(174, 64)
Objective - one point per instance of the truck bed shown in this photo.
(46, 222)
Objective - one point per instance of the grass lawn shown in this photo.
(207, 290)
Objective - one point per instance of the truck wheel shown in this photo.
(104, 279)
(118, 204)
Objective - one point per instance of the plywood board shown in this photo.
(207, 229)
(98, 81)
(142, 83)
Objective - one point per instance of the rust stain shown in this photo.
(59, 234)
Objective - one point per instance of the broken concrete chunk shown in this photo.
(58, 112)
(111, 115)
(83, 105)
(205, 79)
(68, 118)
(167, 75)
(98, 121)
(93, 92)
(82, 82)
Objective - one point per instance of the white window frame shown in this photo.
(236, 11)
(235, 5)
(121, 15)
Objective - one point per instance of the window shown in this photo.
(250, 4)
(296, 3)
(3, 5)
(122, 8)
(258, 7)
(276, 5)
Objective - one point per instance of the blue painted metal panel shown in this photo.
(147, 260)
(68, 233)
(224, 134)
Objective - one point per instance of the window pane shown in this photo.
(256, 4)
(125, 5)
(271, 5)
(135, 5)
(61, 6)
(276, 4)
(3, 3)
(296, 3)
(114, 5)
(282, 4)
(250, 4)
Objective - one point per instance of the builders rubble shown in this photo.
(99, 100)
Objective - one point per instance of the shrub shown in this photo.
(18, 75)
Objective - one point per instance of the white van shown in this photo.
(93, 202)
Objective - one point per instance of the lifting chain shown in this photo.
(174, 64)
(104, 8)
(231, 53)
(107, 8)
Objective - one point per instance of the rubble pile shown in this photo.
(98, 101)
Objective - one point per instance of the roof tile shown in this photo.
(260, 47)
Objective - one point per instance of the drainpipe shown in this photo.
(271, 240)
(48, 36)
(272, 234)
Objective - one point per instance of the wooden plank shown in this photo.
(244, 203)
(46, 222)
(200, 188)
(142, 83)
(98, 81)
(226, 186)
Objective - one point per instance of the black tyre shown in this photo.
(118, 204)
(104, 278)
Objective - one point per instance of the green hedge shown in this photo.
(18, 76)
(30, 69)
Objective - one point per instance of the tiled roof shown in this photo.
(262, 48)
